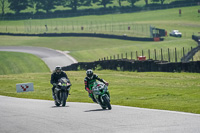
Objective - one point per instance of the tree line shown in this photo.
(48, 5)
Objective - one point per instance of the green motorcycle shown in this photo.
(101, 95)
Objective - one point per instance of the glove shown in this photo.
(54, 84)
(90, 91)
(68, 84)
(106, 83)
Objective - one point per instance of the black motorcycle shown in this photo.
(62, 91)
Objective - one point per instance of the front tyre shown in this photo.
(107, 102)
(56, 103)
(56, 100)
(64, 98)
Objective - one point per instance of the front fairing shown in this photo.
(99, 89)
(63, 85)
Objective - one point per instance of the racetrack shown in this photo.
(41, 116)
(51, 57)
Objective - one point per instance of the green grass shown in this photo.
(197, 56)
(157, 90)
(15, 63)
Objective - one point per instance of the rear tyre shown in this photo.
(107, 102)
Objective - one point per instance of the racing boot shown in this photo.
(94, 100)
(53, 95)
(92, 97)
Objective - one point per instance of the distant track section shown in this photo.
(51, 57)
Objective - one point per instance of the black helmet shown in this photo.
(58, 69)
(89, 73)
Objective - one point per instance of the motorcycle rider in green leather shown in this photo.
(89, 81)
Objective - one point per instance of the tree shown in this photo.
(18, 5)
(162, 1)
(74, 4)
(35, 4)
(46, 5)
(120, 2)
(103, 2)
(132, 2)
(146, 1)
(3, 5)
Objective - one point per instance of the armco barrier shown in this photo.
(196, 38)
(83, 35)
(139, 66)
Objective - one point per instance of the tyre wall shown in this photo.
(139, 66)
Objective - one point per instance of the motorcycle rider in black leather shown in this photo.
(55, 76)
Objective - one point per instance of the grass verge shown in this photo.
(15, 63)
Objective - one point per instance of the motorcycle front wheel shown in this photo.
(107, 102)
(56, 101)
(64, 98)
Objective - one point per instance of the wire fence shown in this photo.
(64, 26)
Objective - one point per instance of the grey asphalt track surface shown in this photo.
(41, 116)
(51, 57)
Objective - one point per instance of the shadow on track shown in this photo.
(59, 106)
(95, 110)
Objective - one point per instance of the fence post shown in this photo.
(136, 54)
(142, 53)
(126, 55)
(184, 54)
(114, 57)
(155, 54)
(175, 55)
(168, 55)
(131, 55)
(149, 53)
(192, 56)
(122, 55)
(161, 54)
(110, 57)
(118, 56)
